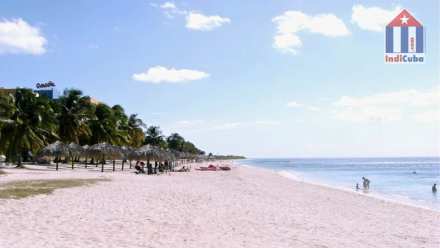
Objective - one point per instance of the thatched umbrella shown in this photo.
(128, 153)
(177, 155)
(170, 155)
(131, 154)
(192, 156)
(169, 159)
(184, 156)
(101, 151)
(201, 158)
(149, 152)
(75, 150)
(56, 150)
(117, 154)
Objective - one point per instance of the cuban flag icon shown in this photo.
(404, 35)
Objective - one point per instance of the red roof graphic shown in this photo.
(404, 19)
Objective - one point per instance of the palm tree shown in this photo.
(29, 122)
(7, 107)
(103, 126)
(73, 116)
(75, 151)
(29, 125)
(136, 131)
(175, 142)
(154, 137)
(121, 127)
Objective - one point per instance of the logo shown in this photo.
(45, 85)
(404, 40)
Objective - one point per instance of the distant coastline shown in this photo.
(227, 157)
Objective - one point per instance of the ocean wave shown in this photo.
(291, 175)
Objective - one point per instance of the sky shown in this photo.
(257, 78)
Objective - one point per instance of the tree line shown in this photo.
(29, 122)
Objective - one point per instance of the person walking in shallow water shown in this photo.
(434, 188)
(365, 183)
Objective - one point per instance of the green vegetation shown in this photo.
(22, 189)
(29, 122)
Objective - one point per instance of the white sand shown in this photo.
(245, 207)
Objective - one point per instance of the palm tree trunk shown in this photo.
(19, 163)
(56, 163)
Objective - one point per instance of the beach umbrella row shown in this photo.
(103, 151)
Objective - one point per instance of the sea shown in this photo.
(407, 180)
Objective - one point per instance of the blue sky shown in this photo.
(232, 77)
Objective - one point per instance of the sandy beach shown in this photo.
(244, 207)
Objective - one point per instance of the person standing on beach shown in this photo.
(434, 188)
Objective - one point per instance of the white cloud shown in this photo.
(388, 106)
(17, 36)
(198, 21)
(160, 74)
(294, 104)
(267, 123)
(190, 123)
(227, 126)
(313, 108)
(415, 98)
(430, 116)
(170, 9)
(168, 5)
(292, 22)
(373, 18)
(93, 46)
(195, 20)
(215, 125)
(369, 114)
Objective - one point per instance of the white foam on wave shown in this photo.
(291, 175)
(391, 162)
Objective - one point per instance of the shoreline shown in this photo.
(283, 173)
(374, 195)
(244, 207)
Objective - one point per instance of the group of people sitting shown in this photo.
(156, 169)
(214, 168)
(164, 167)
